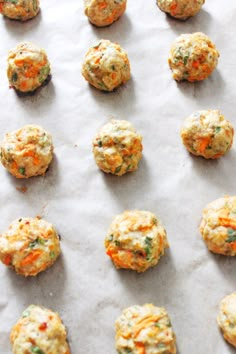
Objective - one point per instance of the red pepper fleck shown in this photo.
(43, 326)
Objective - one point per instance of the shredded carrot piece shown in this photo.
(33, 256)
(196, 64)
(7, 260)
(203, 142)
(140, 347)
(146, 322)
(24, 85)
(228, 222)
(103, 5)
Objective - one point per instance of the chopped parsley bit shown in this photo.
(209, 147)
(117, 170)
(168, 323)
(232, 235)
(52, 255)
(117, 243)
(20, 220)
(38, 241)
(218, 129)
(21, 170)
(113, 67)
(161, 346)
(36, 350)
(154, 220)
(14, 77)
(26, 313)
(148, 243)
(110, 238)
(186, 57)
(100, 143)
(128, 351)
(157, 324)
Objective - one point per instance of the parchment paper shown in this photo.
(83, 286)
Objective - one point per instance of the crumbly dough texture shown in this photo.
(207, 133)
(40, 331)
(30, 245)
(104, 12)
(218, 226)
(181, 9)
(145, 329)
(117, 147)
(21, 10)
(227, 318)
(27, 152)
(193, 57)
(106, 66)
(28, 67)
(136, 240)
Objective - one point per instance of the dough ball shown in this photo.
(40, 331)
(227, 318)
(104, 12)
(28, 67)
(181, 9)
(207, 134)
(27, 152)
(106, 66)
(145, 329)
(30, 245)
(193, 57)
(117, 148)
(21, 10)
(218, 226)
(136, 240)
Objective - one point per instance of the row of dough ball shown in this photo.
(117, 147)
(101, 13)
(106, 65)
(139, 329)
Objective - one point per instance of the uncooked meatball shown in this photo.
(29, 246)
(39, 331)
(218, 226)
(27, 152)
(145, 329)
(207, 134)
(227, 318)
(21, 10)
(136, 240)
(106, 66)
(117, 147)
(193, 57)
(28, 67)
(104, 12)
(181, 9)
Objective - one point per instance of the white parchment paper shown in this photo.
(83, 286)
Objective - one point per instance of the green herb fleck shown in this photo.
(218, 129)
(186, 57)
(168, 323)
(117, 243)
(20, 220)
(110, 238)
(38, 241)
(36, 350)
(52, 255)
(148, 243)
(21, 170)
(154, 220)
(117, 170)
(209, 147)
(100, 143)
(26, 313)
(157, 324)
(14, 77)
(232, 235)
(113, 67)
(161, 346)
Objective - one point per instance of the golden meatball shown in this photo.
(104, 12)
(28, 67)
(30, 245)
(106, 66)
(227, 318)
(207, 134)
(145, 330)
(136, 240)
(193, 57)
(21, 10)
(27, 152)
(181, 9)
(218, 226)
(39, 331)
(117, 148)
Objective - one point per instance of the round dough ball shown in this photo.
(207, 134)
(39, 330)
(106, 66)
(181, 9)
(28, 67)
(218, 226)
(30, 245)
(193, 57)
(136, 240)
(104, 12)
(27, 152)
(227, 318)
(21, 10)
(145, 329)
(117, 148)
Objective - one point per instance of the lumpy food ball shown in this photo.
(117, 148)
(136, 240)
(218, 226)
(193, 57)
(181, 9)
(227, 318)
(39, 331)
(29, 246)
(106, 66)
(104, 12)
(145, 329)
(28, 67)
(207, 133)
(21, 10)
(27, 152)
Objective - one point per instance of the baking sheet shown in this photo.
(83, 286)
